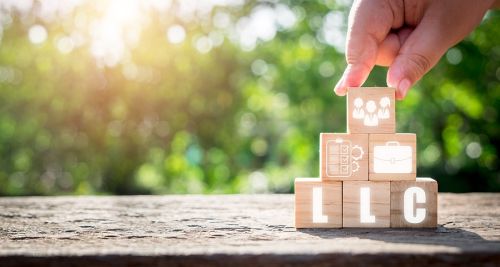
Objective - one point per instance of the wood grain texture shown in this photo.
(233, 230)
(396, 156)
(367, 102)
(343, 157)
(331, 203)
(398, 189)
(380, 205)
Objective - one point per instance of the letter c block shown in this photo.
(414, 203)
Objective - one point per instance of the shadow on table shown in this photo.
(444, 236)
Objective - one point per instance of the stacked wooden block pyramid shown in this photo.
(368, 175)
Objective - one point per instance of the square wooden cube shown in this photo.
(371, 110)
(366, 204)
(414, 203)
(393, 157)
(318, 204)
(343, 157)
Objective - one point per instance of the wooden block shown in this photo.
(343, 157)
(393, 157)
(318, 204)
(414, 203)
(366, 204)
(371, 110)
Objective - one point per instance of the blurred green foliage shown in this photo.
(200, 97)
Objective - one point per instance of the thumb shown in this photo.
(419, 53)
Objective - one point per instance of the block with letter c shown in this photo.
(414, 203)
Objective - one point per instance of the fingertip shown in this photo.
(399, 95)
(353, 76)
(339, 88)
(394, 76)
(340, 92)
(402, 89)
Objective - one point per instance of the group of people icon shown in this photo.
(370, 113)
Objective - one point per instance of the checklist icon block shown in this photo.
(343, 157)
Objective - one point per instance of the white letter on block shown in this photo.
(364, 206)
(318, 216)
(419, 195)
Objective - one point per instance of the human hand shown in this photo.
(408, 36)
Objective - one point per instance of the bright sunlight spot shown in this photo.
(176, 34)
(118, 28)
(37, 34)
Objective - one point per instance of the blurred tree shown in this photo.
(127, 97)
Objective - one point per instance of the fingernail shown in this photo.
(404, 86)
(339, 85)
(393, 77)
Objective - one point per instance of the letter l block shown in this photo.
(366, 204)
(318, 204)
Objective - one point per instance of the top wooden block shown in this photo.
(371, 110)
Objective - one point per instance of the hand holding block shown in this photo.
(343, 157)
(414, 203)
(393, 157)
(371, 110)
(318, 204)
(366, 204)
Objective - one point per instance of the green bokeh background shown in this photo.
(218, 113)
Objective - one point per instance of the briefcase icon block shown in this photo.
(392, 157)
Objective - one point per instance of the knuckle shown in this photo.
(420, 62)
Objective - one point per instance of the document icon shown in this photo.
(392, 158)
(342, 158)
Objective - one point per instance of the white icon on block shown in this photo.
(358, 112)
(414, 195)
(392, 158)
(365, 215)
(371, 114)
(318, 216)
(383, 112)
(371, 118)
(342, 158)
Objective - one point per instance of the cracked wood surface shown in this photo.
(232, 230)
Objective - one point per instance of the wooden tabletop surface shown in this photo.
(232, 230)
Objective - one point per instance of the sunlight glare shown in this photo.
(176, 34)
(119, 27)
(37, 34)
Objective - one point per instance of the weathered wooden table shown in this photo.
(232, 230)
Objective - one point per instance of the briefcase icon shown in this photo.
(392, 158)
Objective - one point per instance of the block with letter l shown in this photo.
(318, 204)
(366, 204)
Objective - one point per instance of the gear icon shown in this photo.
(360, 153)
(355, 166)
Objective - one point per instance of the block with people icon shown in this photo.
(371, 110)
(367, 175)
